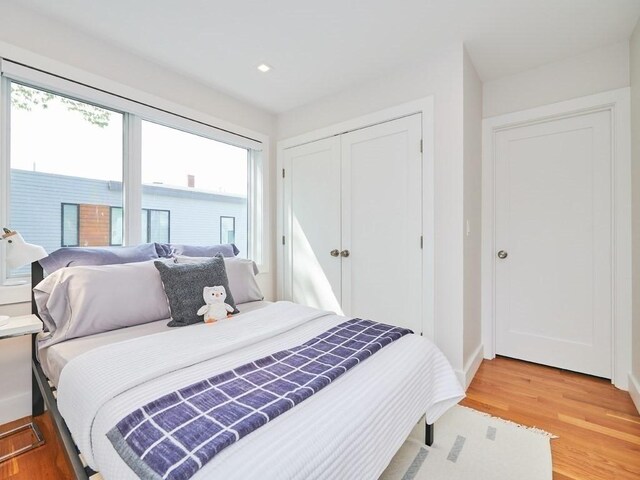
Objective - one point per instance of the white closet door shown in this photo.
(312, 230)
(382, 222)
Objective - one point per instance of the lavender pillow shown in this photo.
(84, 300)
(226, 249)
(241, 273)
(79, 256)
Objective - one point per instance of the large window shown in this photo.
(62, 152)
(87, 168)
(200, 180)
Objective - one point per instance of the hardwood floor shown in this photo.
(47, 462)
(597, 425)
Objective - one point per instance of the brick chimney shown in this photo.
(191, 181)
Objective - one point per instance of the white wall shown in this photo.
(472, 154)
(593, 72)
(41, 43)
(634, 384)
(439, 75)
(15, 370)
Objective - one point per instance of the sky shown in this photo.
(56, 140)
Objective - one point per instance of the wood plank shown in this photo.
(635, 439)
(47, 462)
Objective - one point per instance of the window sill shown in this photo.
(15, 293)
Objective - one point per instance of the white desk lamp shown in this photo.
(19, 253)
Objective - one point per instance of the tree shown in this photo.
(25, 98)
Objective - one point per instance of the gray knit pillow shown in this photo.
(184, 283)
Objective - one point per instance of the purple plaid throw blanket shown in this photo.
(175, 435)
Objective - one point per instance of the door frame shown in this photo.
(617, 102)
(423, 106)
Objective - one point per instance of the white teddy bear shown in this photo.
(215, 308)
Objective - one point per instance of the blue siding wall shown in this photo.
(36, 200)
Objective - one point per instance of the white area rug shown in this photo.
(470, 445)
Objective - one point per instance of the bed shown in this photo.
(349, 429)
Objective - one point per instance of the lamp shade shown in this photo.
(21, 253)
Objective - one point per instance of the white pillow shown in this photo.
(241, 273)
(80, 301)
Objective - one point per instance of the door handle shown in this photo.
(335, 252)
(502, 254)
(344, 253)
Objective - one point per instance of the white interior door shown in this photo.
(382, 222)
(554, 224)
(312, 230)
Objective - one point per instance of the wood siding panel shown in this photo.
(94, 225)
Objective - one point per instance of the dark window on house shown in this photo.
(227, 230)
(157, 225)
(70, 225)
(115, 222)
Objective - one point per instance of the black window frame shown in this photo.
(234, 228)
(147, 234)
(62, 217)
(111, 227)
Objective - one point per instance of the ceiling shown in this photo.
(322, 47)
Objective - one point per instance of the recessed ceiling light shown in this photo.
(264, 68)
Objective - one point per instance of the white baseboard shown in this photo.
(471, 367)
(634, 390)
(15, 407)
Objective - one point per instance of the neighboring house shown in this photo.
(58, 210)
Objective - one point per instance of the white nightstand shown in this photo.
(23, 325)
(18, 326)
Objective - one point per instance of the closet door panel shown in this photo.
(312, 228)
(382, 222)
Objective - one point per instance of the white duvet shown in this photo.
(350, 429)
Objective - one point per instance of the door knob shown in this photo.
(335, 252)
(344, 253)
(502, 254)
